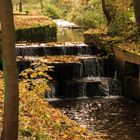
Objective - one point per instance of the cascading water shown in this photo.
(118, 118)
(91, 76)
(44, 49)
(83, 78)
(88, 74)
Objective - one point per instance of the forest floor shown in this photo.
(39, 120)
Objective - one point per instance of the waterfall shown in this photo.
(85, 78)
(91, 66)
(90, 76)
(104, 87)
(44, 49)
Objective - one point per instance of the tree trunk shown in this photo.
(106, 12)
(20, 6)
(136, 4)
(11, 97)
(0, 48)
(41, 3)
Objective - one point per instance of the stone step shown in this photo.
(44, 49)
(72, 67)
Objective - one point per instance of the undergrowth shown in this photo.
(40, 121)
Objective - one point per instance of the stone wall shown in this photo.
(129, 72)
(46, 33)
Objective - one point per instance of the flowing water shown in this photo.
(68, 31)
(117, 117)
(114, 116)
(70, 35)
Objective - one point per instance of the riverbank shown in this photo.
(39, 120)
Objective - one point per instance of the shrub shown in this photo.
(52, 11)
(122, 23)
(87, 16)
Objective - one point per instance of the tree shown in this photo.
(109, 11)
(11, 97)
(136, 4)
(20, 6)
(41, 3)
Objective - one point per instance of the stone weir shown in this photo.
(53, 49)
(76, 76)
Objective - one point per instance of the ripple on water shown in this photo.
(117, 117)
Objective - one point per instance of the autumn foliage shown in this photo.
(38, 120)
(31, 21)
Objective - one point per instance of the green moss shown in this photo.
(46, 33)
(22, 34)
(34, 29)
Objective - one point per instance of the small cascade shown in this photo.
(100, 66)
(86, 79)
(104, 87)
(66, 71)
(92, 66)
(92, 86)
(89, 66)
(77, 79)
(89, 76)
(44, 49)
(26, 51)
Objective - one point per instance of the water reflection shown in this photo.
(69, 35)
(117, 117)
(68, 31)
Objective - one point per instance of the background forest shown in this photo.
(109, 22)
(87, 13)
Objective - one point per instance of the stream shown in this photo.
(68, 31)
(85, 85)
(115, 116)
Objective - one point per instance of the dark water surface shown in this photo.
(114, 116)
(117, 117)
